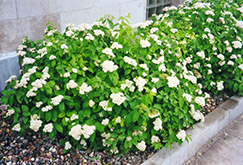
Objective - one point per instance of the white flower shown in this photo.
(109, 66)
(212, 83)
(104, 105)
(154, 90)
(52, 57)
(155, 80)
(21, 53)
(64, 46)
(130, 61)
(155, 139)
(91, 103)
(197, 115)
(221, 63)
(240, 66)
(16, 127)
(67, 146)
(46, 108)
(230, 63)
(28, 60)
(30, 93)
(140, 82)
(74, 70)
(237, 44)
(209, 13)
(83, 143)
(76, 132)
(181, 135)
(129, 85)
(67, 74)
(221, 57)
(141, 146)
(99, 32)
(10, 112)
(116, 45)
(85, 88)
(229, 49)
(207, 30)
(89, 37)
(48, 127)
(87, 130)
(157, 124)
(118, 98)
(220, 85)
(118, 119)
(108, 52)
(173, 81)
(197, 65)
(35, 124)
(56, 100)
(152, 30)
(187, 96)
(71, 84)
(38, 83)
(173, 30)
(200, 100)
(105, 121)
(38, 104)
(210, 20)
(144, 66)
(144, 43)
(201, 54)
(74, 117)
(239, 24)
(144, 74)
(162, 68)
(85, 68)
(143, 25)
(209, 71)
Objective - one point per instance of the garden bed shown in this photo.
(41, 149)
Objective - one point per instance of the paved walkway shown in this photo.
(224, 149)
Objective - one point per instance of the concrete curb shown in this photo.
(200, 134)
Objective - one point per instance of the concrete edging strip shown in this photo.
(200, 134)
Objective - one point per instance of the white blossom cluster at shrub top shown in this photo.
(108, 86)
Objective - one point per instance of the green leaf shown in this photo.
(122, 137)
(61, 115)
(58, 127)
(135, 116)
(61, 107)
(48, 116)
(181, 102)
(26, 113)
(99, 126)
(54, 116)
(235, 88)
(25, 119)
(24, 108)
(16, 117)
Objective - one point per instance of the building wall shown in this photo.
(20, 18)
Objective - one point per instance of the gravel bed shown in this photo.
(40, 149)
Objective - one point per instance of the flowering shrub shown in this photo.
(108, 86)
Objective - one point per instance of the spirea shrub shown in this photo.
(108, 86)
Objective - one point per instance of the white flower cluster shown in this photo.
(157, 124)
(28, 60)
(84, 88)
(145, 43)
(108, 52)
(181, 135)
(16, 127)
(71, 84)
(10, 112)
(67, 146)
(141, 146)
(11, 78)
(104, 105)
(108, 66)
(143, 25)
(155, 139)
(99, 33)
(196, 115)
(173, 81)
(130, 61)
(48, 127)
(35, 123)
(46, 108)
(116, 45)
(89, 37)
(220, 85)
(140, 83)
(200, 100)
(57, 100)
(129, 85)
(118, 98)
(187, 96)
(105, 121)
